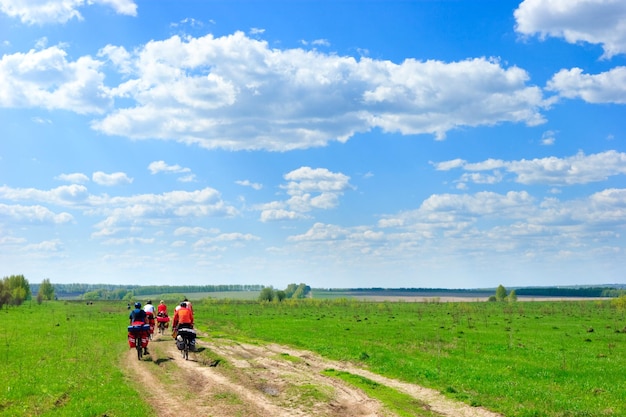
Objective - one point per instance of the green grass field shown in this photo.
(63, 359)
(520, 359)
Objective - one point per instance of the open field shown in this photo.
(521, 359)
(527, 359)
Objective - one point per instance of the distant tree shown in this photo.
(619, 302)
(280, 295)
(5, 294)
(267, 294)
(46, 290)
(302, 291)
(500, 293)
(512, 296)
(17, 287)
(290, 290)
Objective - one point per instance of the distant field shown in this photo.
(219, 295)
(427, 296)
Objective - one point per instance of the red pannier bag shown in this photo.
(141, 330)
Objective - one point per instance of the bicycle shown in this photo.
(136, 334)
(187, 343)
(163, 322)
(138, 345)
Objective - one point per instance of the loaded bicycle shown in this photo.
(186, 341)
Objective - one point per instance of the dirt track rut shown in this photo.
(234, 379)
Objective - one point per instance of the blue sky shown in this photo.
(448, 144)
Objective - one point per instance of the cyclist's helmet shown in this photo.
(137, 305)
(183, 304)
(149, 301)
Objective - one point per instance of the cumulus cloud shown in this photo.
(135, 209)
(160, 166)
(45, 78)
(109, 180)
(235, 92)
(606, 87)
(576, 169)
(309, 189)
(67, 195)
(59, 11)
(504, 221)
(247, 183)
(75, 178)
(154, 209)
(594, 21)
(33, 214)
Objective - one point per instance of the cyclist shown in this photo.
(149, 309)
(162, 316)
(138, 317)
(162, 309)
(189, 306)
(183, 317)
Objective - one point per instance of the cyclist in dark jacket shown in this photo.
(138, 317)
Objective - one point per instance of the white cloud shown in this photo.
(593, 21)
(45, 78)
(321, 42)
(74, 178)
(193, 231)
(160, 166)
(67, 195)
(270, 215)
(236, 93)
(256, 31)
(577, 169)
(308, 189)
(45, 246)
(247, 183)
(59, 11)
(129, 241)
(548, 138)
(448, 165)
(116, 178)
(606, 87)
(33, 214)
(218, 242)
(307, 179)
(158, 209)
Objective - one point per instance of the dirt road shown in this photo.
(225, 378)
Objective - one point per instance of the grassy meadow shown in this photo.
(560, 358)
(63, 359)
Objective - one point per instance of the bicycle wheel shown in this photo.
(138, 347)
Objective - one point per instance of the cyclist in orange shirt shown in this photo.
(183, 318)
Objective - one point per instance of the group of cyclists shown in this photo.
(183, 318)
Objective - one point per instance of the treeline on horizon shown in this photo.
(123, 292)
(583, 291)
